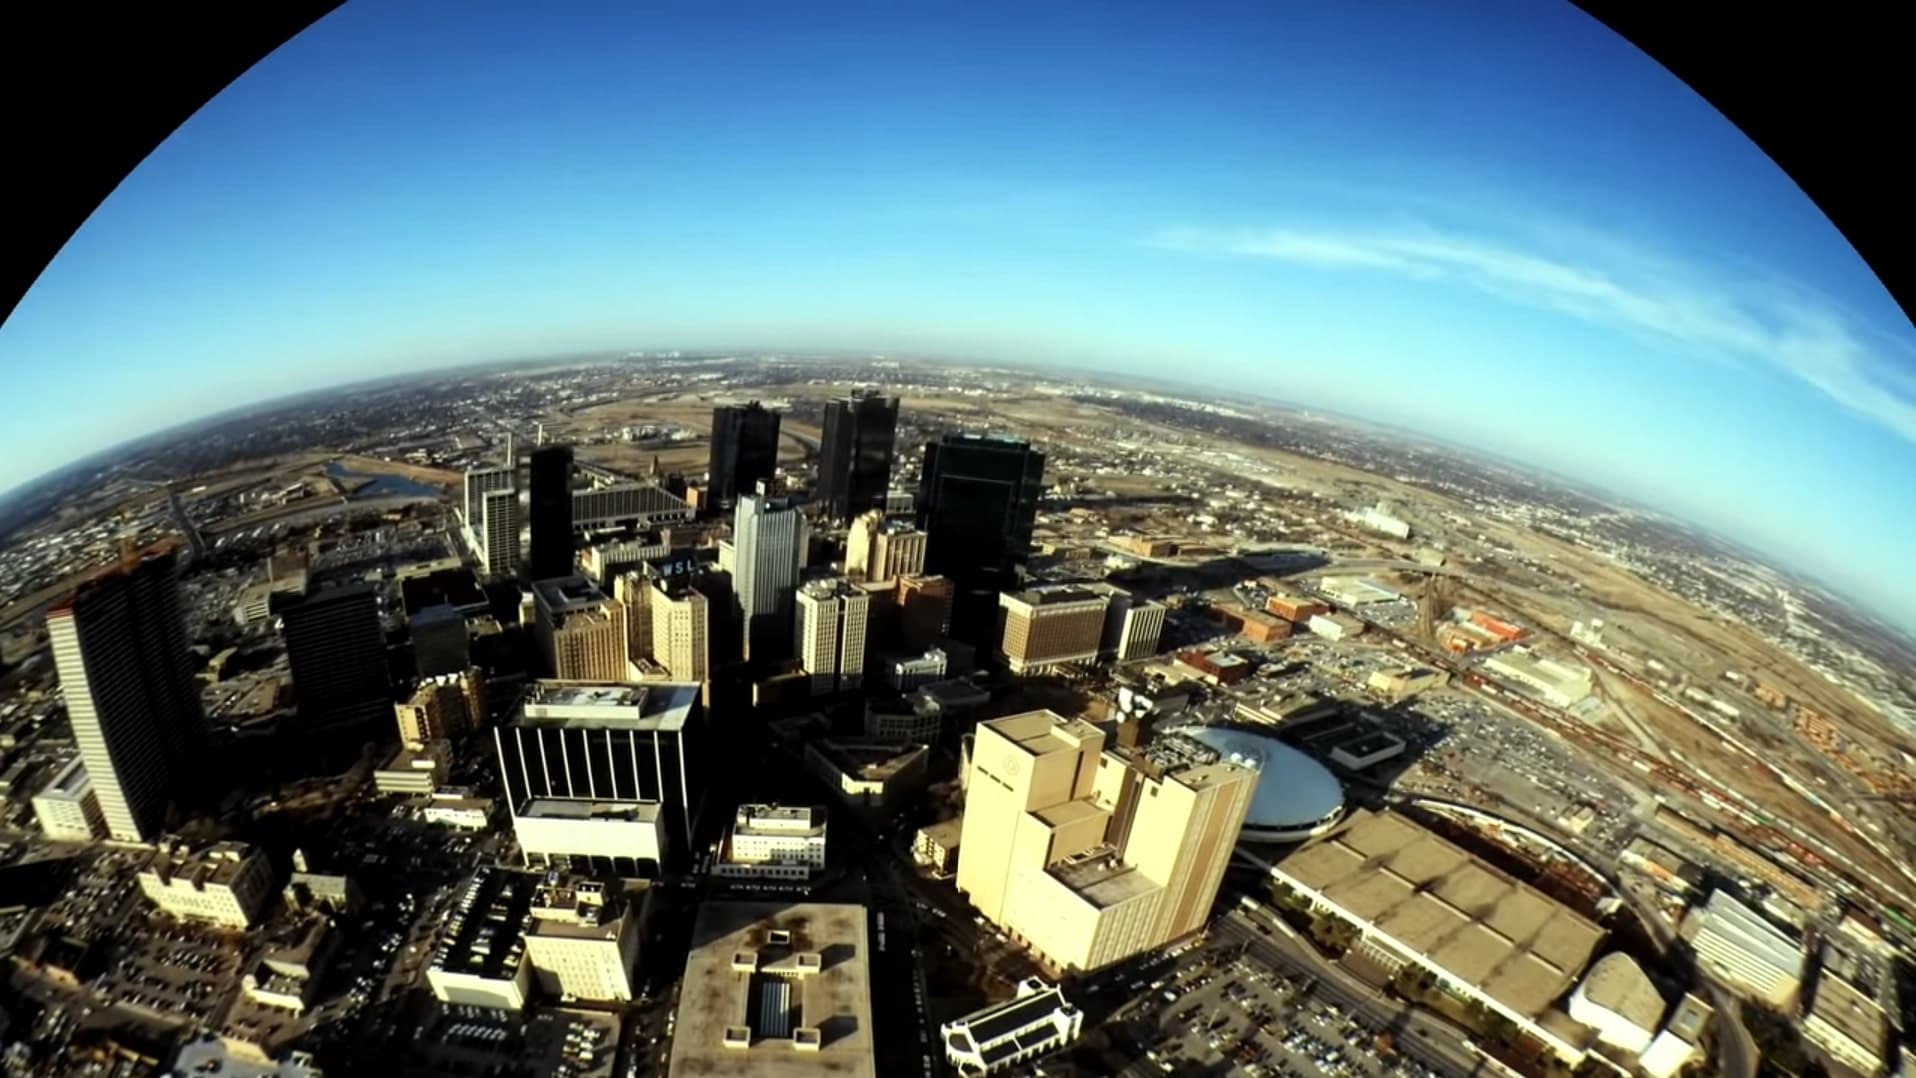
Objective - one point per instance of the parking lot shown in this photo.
(1221, 1010)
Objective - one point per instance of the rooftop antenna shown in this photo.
(510, 459)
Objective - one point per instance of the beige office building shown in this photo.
(584, 942)
(1090, 854)
(226, 884)
(443, 708)
(833, 619)
(634, 590)
(1051, 626)
(681, 627)
(581, 631)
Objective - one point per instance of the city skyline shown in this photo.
(1393, 215)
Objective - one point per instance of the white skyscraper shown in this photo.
(832, 620)
(765, 538)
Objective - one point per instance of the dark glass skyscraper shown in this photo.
(977, 503)
(337, 651)
(549, 513)
(854, 457)
(744, 452)
(120, 647)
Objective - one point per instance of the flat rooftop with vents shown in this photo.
(1431, 901)
(776, 991)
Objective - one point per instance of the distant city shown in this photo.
(690, 714)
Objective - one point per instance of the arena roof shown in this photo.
(1294, 792)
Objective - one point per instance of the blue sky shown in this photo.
(1502, 226)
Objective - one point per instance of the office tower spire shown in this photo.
(854, 457)
(120, 648)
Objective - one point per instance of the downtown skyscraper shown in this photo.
(978, 503)
(549, 513)
(744, 452)
(766, 534)
(336, 648)
(855, 454)
(120, 647)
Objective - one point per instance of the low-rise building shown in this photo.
(415, 771)
(1559, 684)
(1403, 682)
(1418, 900)
(911, 671)
(481, 957)
(1618, 1001)
(287, 975)
(1681, 1040)
(1663, 867)
(1737, 946)
(455, 811)
(225, 884)
(758, 997)
(773, 842)
(902, 720)
(67, 808)
(1845, 1022)
(936, 845)
(865, 773)
(583, 943)
(1355, 591)
(1033, 1024)
(1336, 626)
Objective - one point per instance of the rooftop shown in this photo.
(70, 782)
(1481, 927)
(546, 808)
(213, 866)
(871, 761)
(1619, 986)
(661, 705)
(1057, 595)
(1042, 732)
(1101, 878)
(568, 593)
(485, 937)
(776, 991)
(1850, 1012)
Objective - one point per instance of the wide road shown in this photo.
(1418, 1033)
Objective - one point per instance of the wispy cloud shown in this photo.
(1784, 329)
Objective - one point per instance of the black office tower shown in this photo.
(337, 651)
(744, 453)
(854, 457)
(977, 504)
(549, 509)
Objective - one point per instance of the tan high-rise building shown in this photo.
(1089, 854)
(880, 550)
(581, 632)
(443, 708)
(859, 543)
(633, 589)
(681, 627)
(923, 605)
(1051, 626)
(834, 619)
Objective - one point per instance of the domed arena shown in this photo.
(1297, 798)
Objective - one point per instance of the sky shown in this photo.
(1502, 226)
